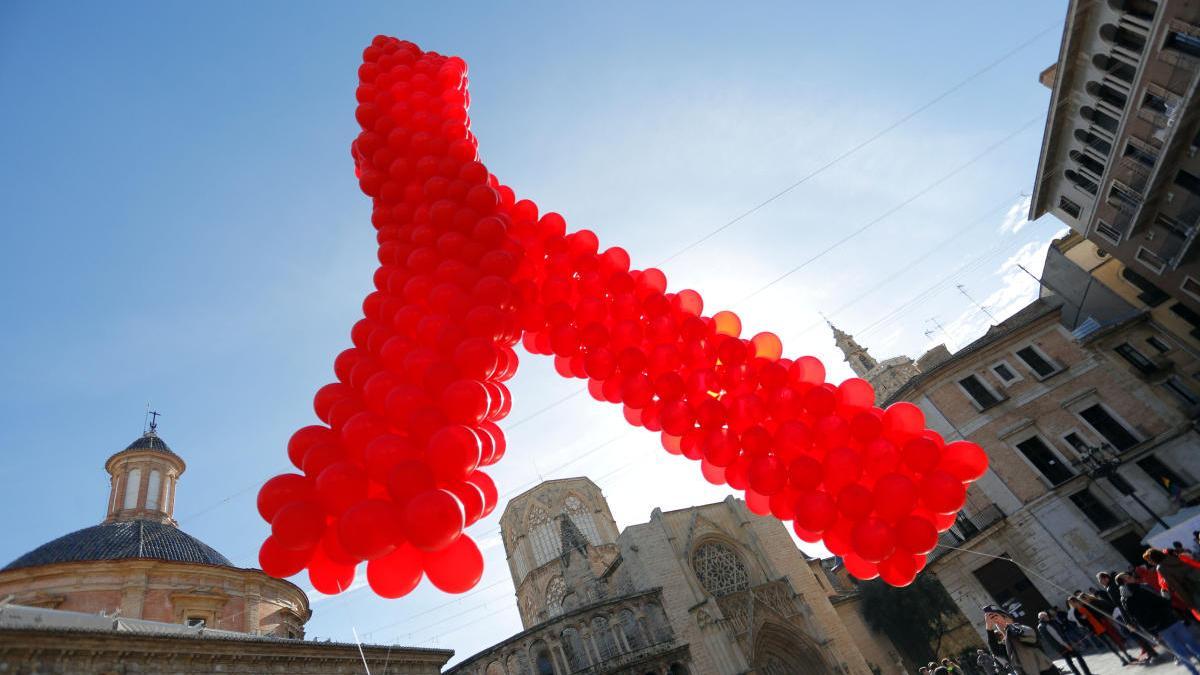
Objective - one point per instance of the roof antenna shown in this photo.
(963, 289)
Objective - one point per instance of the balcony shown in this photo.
(966, 528)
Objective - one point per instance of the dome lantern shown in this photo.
(143, 480)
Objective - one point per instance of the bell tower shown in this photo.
(861, 361)
(559, 536)
(143, 478)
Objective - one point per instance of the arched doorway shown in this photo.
(779, 650)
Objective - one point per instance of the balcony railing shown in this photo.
(966, 528)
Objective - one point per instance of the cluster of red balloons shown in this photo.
(394, 474)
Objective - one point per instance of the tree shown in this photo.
(915, 617)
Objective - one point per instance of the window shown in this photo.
(1123, 196)
(152, 487)
(1108, 232)
(1100, 515)
(1191, 287)
(979, 392)
(1183, 43)
(541, 658)
(133, 485)
(1045, 460)
(1160, 345)
(1069, 207)
(196, 622)
(1143, 154)
(1184, 312)
(1037, 362)
(602, 636)
(1188, 181)
(719, 569)
(633, 632)
(1005, 373)
(1162, 475)
(1181, 391)
(543, 534)
(1155, 103)
(1153, 261)
(1107, 426)
(582, 518)
(1080, 446)
(573, 649)
(1150, 294)
(1135, 358)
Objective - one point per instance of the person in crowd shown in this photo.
(1100, 626)
(1054, 637)
(1177, 547)
(986, 662)
(1073, 631)
(1176, 576)
(1196, 544)
(941, 670)
(1152, 613)
(1020, 642)
(923, 670)
(1112, 594)
(951, 666)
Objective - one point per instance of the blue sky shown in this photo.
(181, 225)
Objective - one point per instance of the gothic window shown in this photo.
(582, 518)
(633, 632)
(572, 647)
(543, 533)
(556, 590)
(603, 636)
(719, 570)
(543, 663)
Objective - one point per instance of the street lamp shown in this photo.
(1102, 462)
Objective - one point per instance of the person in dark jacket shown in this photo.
(1152, 613)
(1054, 636)
(1112, 593)
(1179, 577)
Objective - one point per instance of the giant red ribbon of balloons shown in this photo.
(397, 469)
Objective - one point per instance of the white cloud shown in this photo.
(1016, 218)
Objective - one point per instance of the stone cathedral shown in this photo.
(707, 590)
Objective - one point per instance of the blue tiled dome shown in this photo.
(150, 441)
(128, 540)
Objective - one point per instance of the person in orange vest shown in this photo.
(1101, 627)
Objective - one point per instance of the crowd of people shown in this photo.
(1153, 608)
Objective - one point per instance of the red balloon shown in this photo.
(433, 520)
(921, 455)
(880, 457)
(805, 473)
(805, 535)
(455, 568)
(792, 438)
(807, 370)
(856, 393)
(783, 504)
(488, 488)
(758, 503)
(899, 570)
(719, 449)
(385, 452)
(902, 420)
(304, 439)
(471, 498)
(942, 493)
(895, 496)
(454, 452)
(408, 479)
(859, 568)
(396, 574)
(842, 467)
(855, 502)
(465, 402)
(370, 529)
(915, 535)
(872, 540)
(712, 473)
(280, 491)
(298, 526)
(281, 562)
(815, 511)
(727, 323)
(768, 475)
(327, 576)
(964, 460)
(837, 537)
(340, 486)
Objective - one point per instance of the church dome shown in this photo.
(123, 540)
(148, 441)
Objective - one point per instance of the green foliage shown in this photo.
(915, 617)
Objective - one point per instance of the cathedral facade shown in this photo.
(706, 590)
